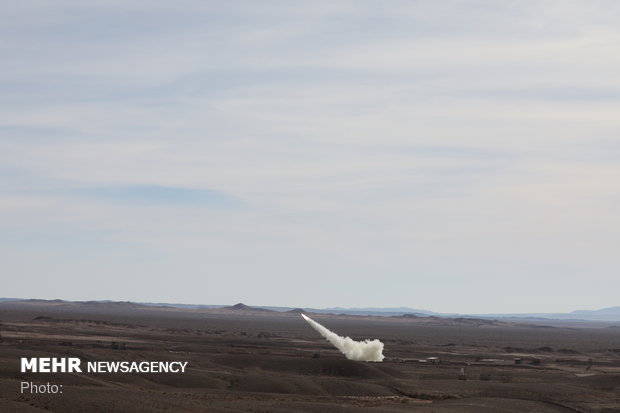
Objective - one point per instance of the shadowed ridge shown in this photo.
(243, 307)
(240, 306)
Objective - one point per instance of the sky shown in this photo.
(455, 156)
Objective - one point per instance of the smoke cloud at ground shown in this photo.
(367, 350)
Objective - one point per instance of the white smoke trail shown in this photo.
(367, 350)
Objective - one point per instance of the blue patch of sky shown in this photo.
(17, 181)
(160, 195)
(109, 24)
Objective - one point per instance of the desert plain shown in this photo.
(244, 359)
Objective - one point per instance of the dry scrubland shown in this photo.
(260, 361)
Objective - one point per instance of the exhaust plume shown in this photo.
(367, 350)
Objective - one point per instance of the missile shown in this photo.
(367, 350)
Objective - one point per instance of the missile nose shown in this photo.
(304, 316)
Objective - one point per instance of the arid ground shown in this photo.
(246, 360)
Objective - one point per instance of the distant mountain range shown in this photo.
(605, 314)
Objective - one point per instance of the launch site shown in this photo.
(246, 359)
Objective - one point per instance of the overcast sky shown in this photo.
(457, 156)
